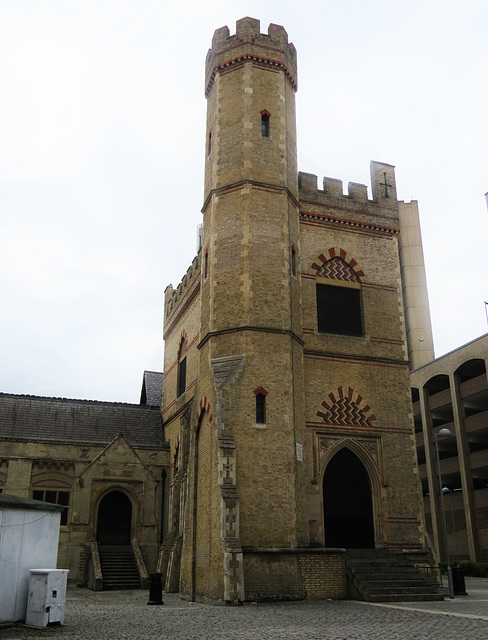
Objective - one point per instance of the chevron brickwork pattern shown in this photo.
(337, 266)
(346, 411)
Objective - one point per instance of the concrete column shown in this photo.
(414, 286)
(431, 462)
(465, 469)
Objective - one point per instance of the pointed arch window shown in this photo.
(260, 409)
(260, 394)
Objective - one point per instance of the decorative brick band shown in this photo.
(203, 408)
(320, 427)
(345, 411)
(255, 184)
(183, 343)
(246, 57)
(364, 360)
(308, 215)
(337, 266)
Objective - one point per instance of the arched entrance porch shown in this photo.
(114, 519)
(348, 505)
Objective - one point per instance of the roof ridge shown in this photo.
(61, 399)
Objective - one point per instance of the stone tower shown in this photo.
(286, 396)
(250, 301)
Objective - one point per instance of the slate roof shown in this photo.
(152, 388)
(66, 421)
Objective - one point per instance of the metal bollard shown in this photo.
(155, 589)
(458, 581)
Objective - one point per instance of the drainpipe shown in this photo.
(163, 499)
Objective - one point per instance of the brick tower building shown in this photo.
(286, 395)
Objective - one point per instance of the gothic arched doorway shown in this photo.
(348, 506)
(114, 519)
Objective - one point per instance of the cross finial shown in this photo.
(385, 184)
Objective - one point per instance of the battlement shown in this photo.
(249, 43)
(172, 297)
(333, 187)
(383, 188)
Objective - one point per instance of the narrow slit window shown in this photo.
(181, 374)
(210, 143)
(265, 125)
(293, 262)
(205, 270)
(260, 408)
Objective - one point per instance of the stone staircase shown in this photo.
(380, 575)
(119, 568)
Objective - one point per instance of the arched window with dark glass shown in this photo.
(260, 394)
(260, 409)
(265, 124)
(181, 381)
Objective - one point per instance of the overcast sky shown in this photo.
(102, 118)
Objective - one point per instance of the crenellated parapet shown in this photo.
(249, 43)
(355, 203)
(174, 297)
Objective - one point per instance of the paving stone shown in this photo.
(122, 615)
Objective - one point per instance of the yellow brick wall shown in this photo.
(374, 366)
(323, 575)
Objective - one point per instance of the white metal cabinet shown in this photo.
(47, 595)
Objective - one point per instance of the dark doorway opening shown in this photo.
(114, 519)
(348, 507)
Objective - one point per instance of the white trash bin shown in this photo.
(47, 595)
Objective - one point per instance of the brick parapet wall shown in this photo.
(177, 300)
(354, 207)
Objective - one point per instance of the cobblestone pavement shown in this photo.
(120, 615)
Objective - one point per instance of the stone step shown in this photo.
(122, 580)
(122, 586)
(119, 568)
(399, 588)
(411, 580)
(394, 577)
(383, 576)
(110, 573)
(401, 597)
